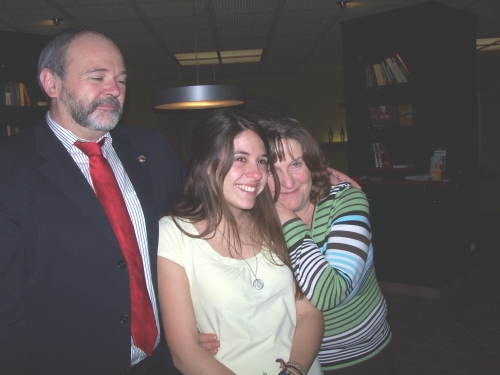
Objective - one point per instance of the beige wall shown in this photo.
(314, 96)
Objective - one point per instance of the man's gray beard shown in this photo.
(86, 116)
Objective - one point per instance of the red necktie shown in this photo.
(107, 190)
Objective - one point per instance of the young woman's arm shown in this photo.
(179, 323)
(308, 333)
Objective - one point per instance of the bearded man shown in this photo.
(78, 290)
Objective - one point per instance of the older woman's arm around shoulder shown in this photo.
(179, 322)
(308, 334)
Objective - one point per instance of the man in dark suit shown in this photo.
(65, 297)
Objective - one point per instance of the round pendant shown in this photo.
(258, 284)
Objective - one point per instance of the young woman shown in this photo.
(223, 265)
(328, 232)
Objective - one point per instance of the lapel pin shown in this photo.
(141, 158)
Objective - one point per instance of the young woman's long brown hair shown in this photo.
(202, 196)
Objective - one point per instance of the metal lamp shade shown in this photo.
(199, 97)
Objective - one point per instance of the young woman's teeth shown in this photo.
(246, 188)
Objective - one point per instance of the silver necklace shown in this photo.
(257, 283)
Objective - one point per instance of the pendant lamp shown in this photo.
(199, 96)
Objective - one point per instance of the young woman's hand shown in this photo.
(337, 176)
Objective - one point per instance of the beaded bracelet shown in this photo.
(293, 365)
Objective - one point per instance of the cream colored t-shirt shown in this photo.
(255, 327)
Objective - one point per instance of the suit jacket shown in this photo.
(62, 292)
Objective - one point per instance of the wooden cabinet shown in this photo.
(18, 63)
(423, 231)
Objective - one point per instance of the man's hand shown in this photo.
(337, 176)
(209, 342)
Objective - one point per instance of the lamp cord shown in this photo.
(195, 43)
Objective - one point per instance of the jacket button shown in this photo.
(121, 264)
(124, 318)
(123, 372)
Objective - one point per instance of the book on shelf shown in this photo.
(403, 64)
(11, 130)
(8, 95)
(397, 72)
(21, 93)
(405, 114)
(17, 100)
(381, 155)
(16, 94)
(25, 94)
(441, 152)
(397, 68)
(388, 71)
(385, 76)
(383, 115)
(438, 161)
(12, 94)
(378, 74)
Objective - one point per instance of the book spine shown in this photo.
(378, 74)
(21, 94)
(26, 96)
(386, 78)
(403, 65)
(8, 97)
(18, 94)
(394, 70)
(12, 94)
(389, 72)
(399, 70)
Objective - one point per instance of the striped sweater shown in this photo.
(333, 264)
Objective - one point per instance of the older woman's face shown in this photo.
(295, 180)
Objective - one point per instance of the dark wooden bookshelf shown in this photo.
(423, 231)
(18, 63)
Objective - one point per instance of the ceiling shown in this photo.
(294, 34)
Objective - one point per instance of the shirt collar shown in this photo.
(67, 137)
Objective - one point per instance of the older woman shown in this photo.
(328, 233)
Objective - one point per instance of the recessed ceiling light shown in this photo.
(226, 57)
(488, 44)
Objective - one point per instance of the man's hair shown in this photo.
(54, 54)
(279, 132)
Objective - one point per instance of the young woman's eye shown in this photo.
(240, 159)
(263, 161)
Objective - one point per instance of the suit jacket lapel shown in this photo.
(59, 168)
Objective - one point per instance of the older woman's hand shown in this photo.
(337, 177)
